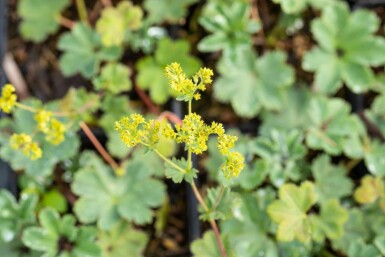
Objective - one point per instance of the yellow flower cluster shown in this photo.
(233, 165)
(194, 133)
(8, 98)
(135, 130)
(187, 88)
(28, 147)
(51, 127)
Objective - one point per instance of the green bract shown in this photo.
(347, 48)
(248, 85)
(108, 199)
(151, 73)
(230, 25)
(83, 51)
(40, 18)
(60, 237)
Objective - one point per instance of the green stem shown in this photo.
(82, 10)
(25, 107)
(189, 154)
(219, 198)
(168, 160)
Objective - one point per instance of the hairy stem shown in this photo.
(106, 156)
(82, 10)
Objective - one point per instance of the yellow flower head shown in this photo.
(194, 133)
(168, 132)
(55, 133)
(26, 145)
(225, 143)
(233, 165)
(135, 130)
(51, 127)
(43, 119)
(8, 98)
(187, 87)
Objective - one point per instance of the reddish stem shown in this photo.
(170, 116)
(106, 156)
(106, 3)
(67, 23)
(147, 101)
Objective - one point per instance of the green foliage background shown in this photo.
(300, 193)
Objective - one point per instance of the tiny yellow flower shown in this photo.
(168, 132)
(225, 143)
(8, 98)
(26, 145)
(43, 118)
(55, 133)
(187, 88)
(135, 130)
(233, 165)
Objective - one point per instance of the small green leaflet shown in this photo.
(297, 6)
(122, 240)
(177, 175)
(259, 91)
(40, 18)
(115, 22)
(290, 211)
(108, 199)
(330, 180)
(83, 51)
(113, 78)
(167, 10)
(15, 215)
(54, 230)
(207, 246)
(347, 48)
(230, 25)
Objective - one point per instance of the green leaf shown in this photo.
(40, 18)
(297, 6)
(122, 240)
(17, 249)
(14, 216)
(129, 197)
(332, 127)
(330, 222)
(55, 231)
(207, 246)
(54, 199)
(177, 175)
(330, 180)
(114, 22)
(83, 51)
(374, 160)
(281, 152)
(370, 190)
(218, 210)
(231, 26)
(290, 211)
(258, 89)
(355, 228)
(167, 10)
(360, 249)
(250, 224)
(347, 48)
(114, 78)
(151, 75)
